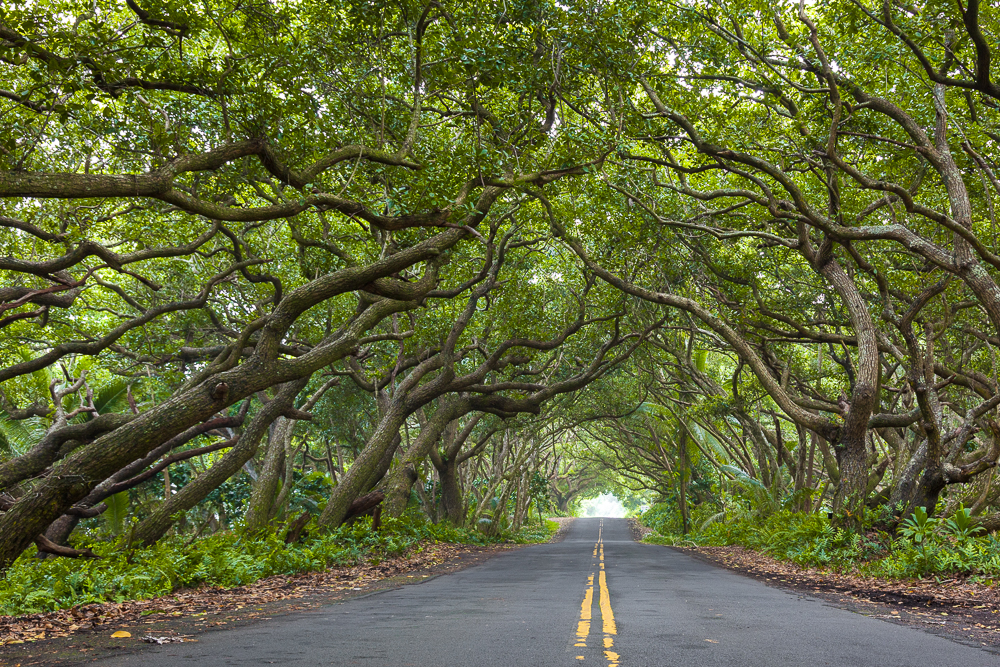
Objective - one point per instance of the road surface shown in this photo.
(596, 598)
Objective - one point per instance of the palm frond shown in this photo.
(117, 512)
(17, 436)
(112, 397)
(742, 478)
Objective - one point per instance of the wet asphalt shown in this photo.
(530, 606)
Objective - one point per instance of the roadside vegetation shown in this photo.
(921, 546)
(226, 559)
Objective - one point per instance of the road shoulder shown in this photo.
(966, 613)
(47, 639)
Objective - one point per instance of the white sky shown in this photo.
(603, 505)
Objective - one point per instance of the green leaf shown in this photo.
(117, 512)
(741, 477)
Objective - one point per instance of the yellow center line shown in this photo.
(583, 627)
(608, 626)
(607, 614)
(608, 619)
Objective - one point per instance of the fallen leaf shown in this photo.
(216, 600)
(120, 634)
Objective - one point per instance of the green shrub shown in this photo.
(663, 518)
(924, 546)
(224, 559)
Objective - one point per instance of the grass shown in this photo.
(225, 559)
(810, 540)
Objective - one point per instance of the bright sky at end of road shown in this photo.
(603, 505)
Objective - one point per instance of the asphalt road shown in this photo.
(596, 598)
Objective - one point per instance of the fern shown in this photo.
(224, 559)
(117, 512)
(17, 436)
(742, 478)
(112, 396)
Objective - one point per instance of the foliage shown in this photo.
(533, 533)
(117, 512)
(663, 518)
(802, 258)
(224, 559)
(925, 545)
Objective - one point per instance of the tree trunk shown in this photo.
(519, 494)
(932, 483)
(802, 502)
(264, 490)
(158, 523)
(76, 476)
(849, 499)
(398, 489)
(452, 501)
(809, 471)
(401, 481)
(62, 528)
(368, 468)
(682, 487)
(280, 504)
(852, 453)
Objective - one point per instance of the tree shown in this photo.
(196, 145)
(823, 181)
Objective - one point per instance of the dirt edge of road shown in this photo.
(185, 615)
(564, 523)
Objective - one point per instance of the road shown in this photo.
(596, 598)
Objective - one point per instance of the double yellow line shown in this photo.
(607, 614)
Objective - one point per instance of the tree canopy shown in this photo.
(338, 258)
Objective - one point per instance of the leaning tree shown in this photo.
(218, 200)
(814, 185)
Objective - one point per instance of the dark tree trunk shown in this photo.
(62, 528)
(363, 505)
(296, 529)
(223, 383)
(849, 499)
(452, 499)
(682, 486)
(368, 468)
(158, 523)
(266, 487)
(401, 482)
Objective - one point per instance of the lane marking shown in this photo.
(583, 626)
(607, 614)
(608, 626)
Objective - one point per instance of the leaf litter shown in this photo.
(962, 608)
(973, 615)
(187, 612)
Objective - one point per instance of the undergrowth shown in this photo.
(225, 559)
(923, 546)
